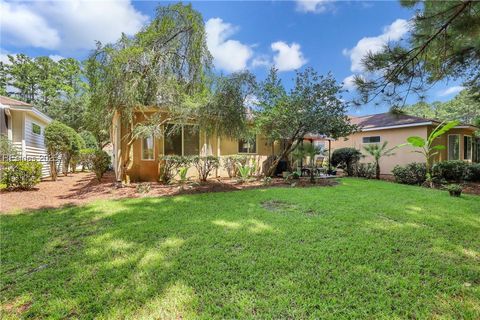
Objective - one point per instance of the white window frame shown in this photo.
(371, 137)
(141, 141)
(471, 147)
(448, 146)
(256, 147)
(183, 142)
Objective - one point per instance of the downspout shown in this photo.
(329, 156)
(218, 153)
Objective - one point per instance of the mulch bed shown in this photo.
(468, 187)
(83, 187)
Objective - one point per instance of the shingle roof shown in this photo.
(12, 102)
(388, 119)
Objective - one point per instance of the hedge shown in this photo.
(21, 175)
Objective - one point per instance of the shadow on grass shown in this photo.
(226, 256)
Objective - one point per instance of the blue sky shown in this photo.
(329, 36)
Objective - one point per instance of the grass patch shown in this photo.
(363, 249)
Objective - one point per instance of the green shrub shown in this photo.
(170, 166)
(412, 173)
(453, 170)
(455, 190)
(244, 172)
(7, 149)
(90, 140)
(85, 158)
(231, 164)
(100, 163)
(365, 170)
(205, 165)
(473, 172)
(23, 175)
(346, 158)
(62, 142)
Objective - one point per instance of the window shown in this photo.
(36, 128)
(476, 150)
(185, 141)
(467, 147)
(148, 148)
(374, 139)
(453, 147)
(247, 146)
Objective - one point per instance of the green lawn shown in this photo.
(363, 249)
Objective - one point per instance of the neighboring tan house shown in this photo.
(460, 142)
(24, 125)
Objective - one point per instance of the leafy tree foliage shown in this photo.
(62, 143)
(312, 106)
(164, 67)
(463, 107)
(227, 110)
(443, 45)
(56, 88)
(89, 139)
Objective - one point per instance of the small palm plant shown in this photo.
(298, 154)
(377, 152)
(310, 150)
(182, 174)
(428, 148)
(244, 171)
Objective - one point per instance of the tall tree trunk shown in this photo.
(66, 164)
(377, 170)
(312, 174)
(53, 166)
(286, 151)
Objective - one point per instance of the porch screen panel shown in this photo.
(453, 147)
(173, 141)
(467, 148)
(191, 141)
(148, 148)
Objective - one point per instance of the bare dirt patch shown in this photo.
(277, 205)
(83, 187)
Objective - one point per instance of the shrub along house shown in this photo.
(460, 142)
(24, 126)
(145, 154)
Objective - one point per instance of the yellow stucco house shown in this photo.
(460, 142)
(145, 154)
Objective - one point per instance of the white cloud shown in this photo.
(348, 82)
(315, 6)
(229, 55)
(261, 61)
(4, 58)
(287, 57)
(393, 32)
(23, 26)
(56, 57)
(449, 91)
(68, 25)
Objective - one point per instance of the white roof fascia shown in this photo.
(34, 110)
(399, 126)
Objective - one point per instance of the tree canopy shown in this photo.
(312, 106)
(443, 44)
(463, 107)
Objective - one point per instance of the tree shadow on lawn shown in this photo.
(228, 257)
